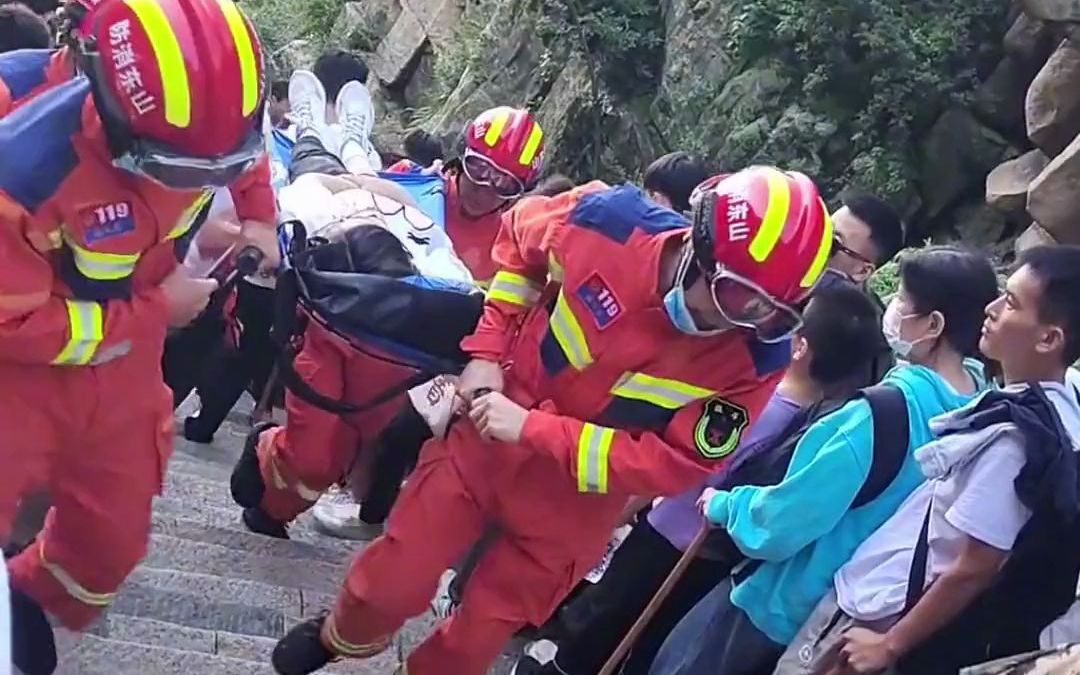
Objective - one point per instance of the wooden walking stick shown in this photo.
(654, 605)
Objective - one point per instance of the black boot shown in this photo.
(194, 433)
(246, 483)
(32, 643)
(259, 522)
(301, 651)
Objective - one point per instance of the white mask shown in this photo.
(891, 324)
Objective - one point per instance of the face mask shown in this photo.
(679, 313)
(891, 324)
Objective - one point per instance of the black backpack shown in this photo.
(769, 460)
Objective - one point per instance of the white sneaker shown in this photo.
(442, 606)
(356, 114)
(307, 101)
(338, 515)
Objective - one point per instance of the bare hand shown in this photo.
(479, 375)
(867, 651)
(498, 418)
(703, 500)
(264, 238)
(186, 297)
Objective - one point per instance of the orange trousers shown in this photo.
(316, 448)
(98, 438)
(547, 538)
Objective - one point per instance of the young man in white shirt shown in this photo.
(968, 510)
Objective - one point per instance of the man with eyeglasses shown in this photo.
(622, 351)
(867, 233)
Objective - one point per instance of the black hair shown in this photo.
(1058, 270)
(422, 148)
(39, 7)
(335, 67)
(555, 184)
(843, 328)
(886, 228)
(367, 249)
(279, 89)
(955, 282)
(675, 175)
(21, 28)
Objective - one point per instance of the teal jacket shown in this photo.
(802, 527)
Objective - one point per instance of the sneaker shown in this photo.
(357, 117)
(443, 604)
(301, 651)
(338, 515)
(536, 659)
(307, 100)
(32, 641)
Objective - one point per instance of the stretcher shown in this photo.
(416, 322)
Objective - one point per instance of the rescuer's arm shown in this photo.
(40, 328)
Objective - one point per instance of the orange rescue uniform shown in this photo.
(620, 403)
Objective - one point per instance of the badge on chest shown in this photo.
(106, 221)
(601, 302)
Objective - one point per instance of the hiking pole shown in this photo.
(654, 605)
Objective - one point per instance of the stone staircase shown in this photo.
(211, 597)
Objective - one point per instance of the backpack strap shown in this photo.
(888, 407)
(917, 573)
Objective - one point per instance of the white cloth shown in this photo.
(434, 400)
(971, 476)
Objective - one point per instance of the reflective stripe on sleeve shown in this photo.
(99, 266)
(594, 446)
(663, 392)
(86, 324)
(568, 333)
(514, 289)
(72, 587)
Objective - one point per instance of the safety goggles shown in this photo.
(743, 303)
(180, 172)
(483, 172)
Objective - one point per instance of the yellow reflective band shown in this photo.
(344, 648)
(249, 73)
(72, 587)
(170, 60)
(568, 333)
(532, 145)
(513, 288)
(776, 213)
(102, 266)
(305, 493)
(86, 323)
(659, 391)
(494, 132)
(824, 249)
(187, 218)
(555, 269)
(594, 447)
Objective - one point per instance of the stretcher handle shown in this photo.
(654, 605)
(248, 261)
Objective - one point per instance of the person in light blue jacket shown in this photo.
(803, 528)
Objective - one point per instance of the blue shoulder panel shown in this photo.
(769, 357)
(23, 70)
(618, 211)
(36, 144)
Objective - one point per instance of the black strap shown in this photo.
(888, 406)
(917, 574)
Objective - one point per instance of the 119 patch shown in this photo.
(106, 221)
(600, 300)
(719, 430)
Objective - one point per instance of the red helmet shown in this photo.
(763, 237)
(508, 140)
(180, 85)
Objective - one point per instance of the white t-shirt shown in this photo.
(976, 499)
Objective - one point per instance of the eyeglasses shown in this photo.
(482, 171)
(839, 245)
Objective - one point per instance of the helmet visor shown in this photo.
(180, 172)
(747, 305)
(482, 171)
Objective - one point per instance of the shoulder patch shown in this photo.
(617, 212)
(39, 134)
(24, 70)
(106, 221)
(719, 430)
(600, 300)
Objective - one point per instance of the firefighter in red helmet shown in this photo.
(504, 152)
(623, 351)
(101, 174)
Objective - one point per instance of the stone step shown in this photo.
(200, 530)
(190, 556)
(188, 465)
(96, 655)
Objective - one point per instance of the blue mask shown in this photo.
(679, 313)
